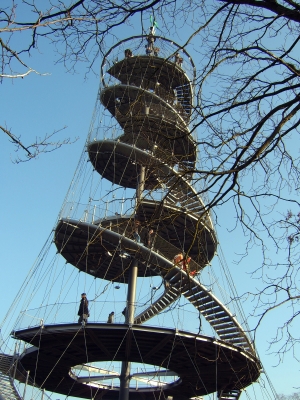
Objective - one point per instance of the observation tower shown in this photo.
(162, 230)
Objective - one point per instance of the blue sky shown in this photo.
(33, 192)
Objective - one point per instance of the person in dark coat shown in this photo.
(83, 311)
(148, 238)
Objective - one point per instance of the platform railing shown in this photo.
(66, 313)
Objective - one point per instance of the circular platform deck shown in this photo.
(167, 139)
(124, 100)
(120, 163)
(104, 251)
(203, 364)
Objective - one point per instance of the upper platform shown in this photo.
(173, 72)
(151, 64)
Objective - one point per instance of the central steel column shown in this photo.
(140, 185)
(129, 319)
(130, 306)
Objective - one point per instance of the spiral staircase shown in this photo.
(7, 371)
(151, 98)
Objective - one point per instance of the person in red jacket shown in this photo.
(183, 263)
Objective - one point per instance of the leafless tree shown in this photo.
(41, 145)
(246, 115)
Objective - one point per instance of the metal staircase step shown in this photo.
(204, 303)
(176, 281)
(220, 325)
(196, 210)
(237, 340)
(201, 302)
(167, 298)
(190, 201)
(212, 315)
(227, 331)
(171, 274)
(5, 363)
(219, 320)
(194, 293)
(232, 336)
(171, 198)
(210, 308)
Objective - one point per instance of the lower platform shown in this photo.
(203, 364)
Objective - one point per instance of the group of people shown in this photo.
(152, 50)
(83, 311)
(147, 238)
(178, 59)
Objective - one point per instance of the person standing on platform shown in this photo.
(136, 235)
(148, 238)
(111, 317)
(83, 311)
